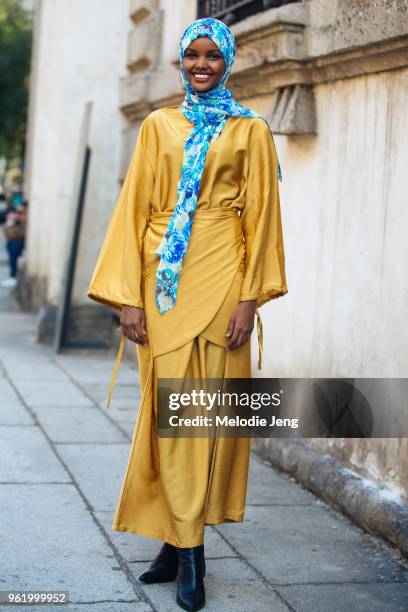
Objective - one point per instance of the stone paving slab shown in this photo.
(230, 585)
(134, 548)
(125, 399)
(52, 393)
(266, 486)
(51, 542)
(128, 427)
(349, 597)
(304, 544)
(98, 470)
(34, 371)
(11, 355)
(90, 368)
(26, 456)
(12, 410)
(18, 340)
(78, 425)
(14, 320)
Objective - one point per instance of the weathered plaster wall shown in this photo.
(80, 54)
(344, 223)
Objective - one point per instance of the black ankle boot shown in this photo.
(190, 584)
(164, 567)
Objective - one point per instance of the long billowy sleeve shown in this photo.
(116, 280)
(265, 277)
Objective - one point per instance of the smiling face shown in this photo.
(203, 64)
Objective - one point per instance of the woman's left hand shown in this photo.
(241, 324)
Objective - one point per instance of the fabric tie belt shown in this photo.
(209, 213)
(201, 212)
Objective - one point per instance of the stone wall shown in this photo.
(79, 55)
(332, 78)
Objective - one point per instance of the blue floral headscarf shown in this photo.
(208, 111)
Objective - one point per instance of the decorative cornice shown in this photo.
(359, 61)
(272, 54)
(376, 57)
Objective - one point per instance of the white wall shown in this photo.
(345, 223)
(178, 15)
(80, 55)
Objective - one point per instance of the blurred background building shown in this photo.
(78, 56)
(332, 78)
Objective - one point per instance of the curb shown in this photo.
(366, 503)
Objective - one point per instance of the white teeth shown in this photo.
(202, 76)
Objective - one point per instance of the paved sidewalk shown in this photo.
(62, 459)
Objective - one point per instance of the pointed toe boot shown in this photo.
(164, 567)
(190, 583)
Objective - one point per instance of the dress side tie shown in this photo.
(122, 347)
(260, 338)
(116, 368)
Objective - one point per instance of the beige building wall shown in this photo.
(344, 219)
(79, 55)
(332, 78)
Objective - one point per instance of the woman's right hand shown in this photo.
(133, 324)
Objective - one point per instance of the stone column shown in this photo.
(79, 55)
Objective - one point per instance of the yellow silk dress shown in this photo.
(173, 487)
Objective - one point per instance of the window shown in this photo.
(231, 11)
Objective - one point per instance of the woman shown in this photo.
(194, 246)
(15, 232)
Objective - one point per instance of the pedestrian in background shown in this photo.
(15, 232)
